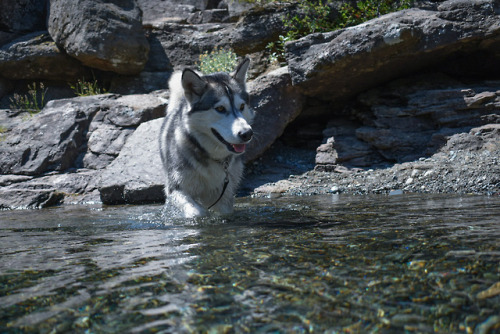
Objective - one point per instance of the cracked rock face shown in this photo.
(340, 64)
(36, 56)
(408, 119)
(66, 131)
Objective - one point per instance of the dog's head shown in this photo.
(219, 108)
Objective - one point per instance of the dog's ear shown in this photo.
(240, 74)
(194, 86)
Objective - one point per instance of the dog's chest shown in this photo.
(206, 182)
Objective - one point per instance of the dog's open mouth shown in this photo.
(236, 148)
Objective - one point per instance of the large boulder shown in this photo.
(137, 174)
(276, 103)
(338, 65)
(29, 198)
(49, 140)
(36, 56)
(106, 35)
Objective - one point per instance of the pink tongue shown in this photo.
(239, 148)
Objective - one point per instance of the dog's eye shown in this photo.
(220, 109)
(242, 107)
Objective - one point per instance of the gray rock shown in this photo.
(349, 149)
(36, 56)
(340, 64)
(237, 8)
(49, 140)
(131, 110)
(23, 192)
(395, 145)
(108, 139)
(208, 16)
(115, 122)
(258, 27)
(276, 103)
(96, 160)
(25, 198)
(184, 43)
(104, 144)
(79, 181)
(326, 156)
(143, 83)
(156, 11)
(477, 139)
(7, 180)
(106, 35)
(25, 16)
(136, 175)
(466, 165)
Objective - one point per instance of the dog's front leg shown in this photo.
(225, 205)
(188, 207)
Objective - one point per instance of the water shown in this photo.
(387, 264)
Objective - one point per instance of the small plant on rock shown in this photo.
(32, 102)
(219, 60)
(87, 88)
(3, 130)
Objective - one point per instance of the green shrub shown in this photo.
(366, 10)
(32, 102)
(219, 60)
(315, 16)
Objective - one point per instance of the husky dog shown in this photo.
(203, 137)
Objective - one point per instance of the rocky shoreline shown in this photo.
(468, 164)
(407, 102)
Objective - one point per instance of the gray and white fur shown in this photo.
(203, 138)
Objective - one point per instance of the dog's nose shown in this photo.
(246, 135)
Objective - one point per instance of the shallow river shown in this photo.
(386, 264)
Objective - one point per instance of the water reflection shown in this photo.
(315, 264)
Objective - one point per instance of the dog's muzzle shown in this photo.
(235, 148)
